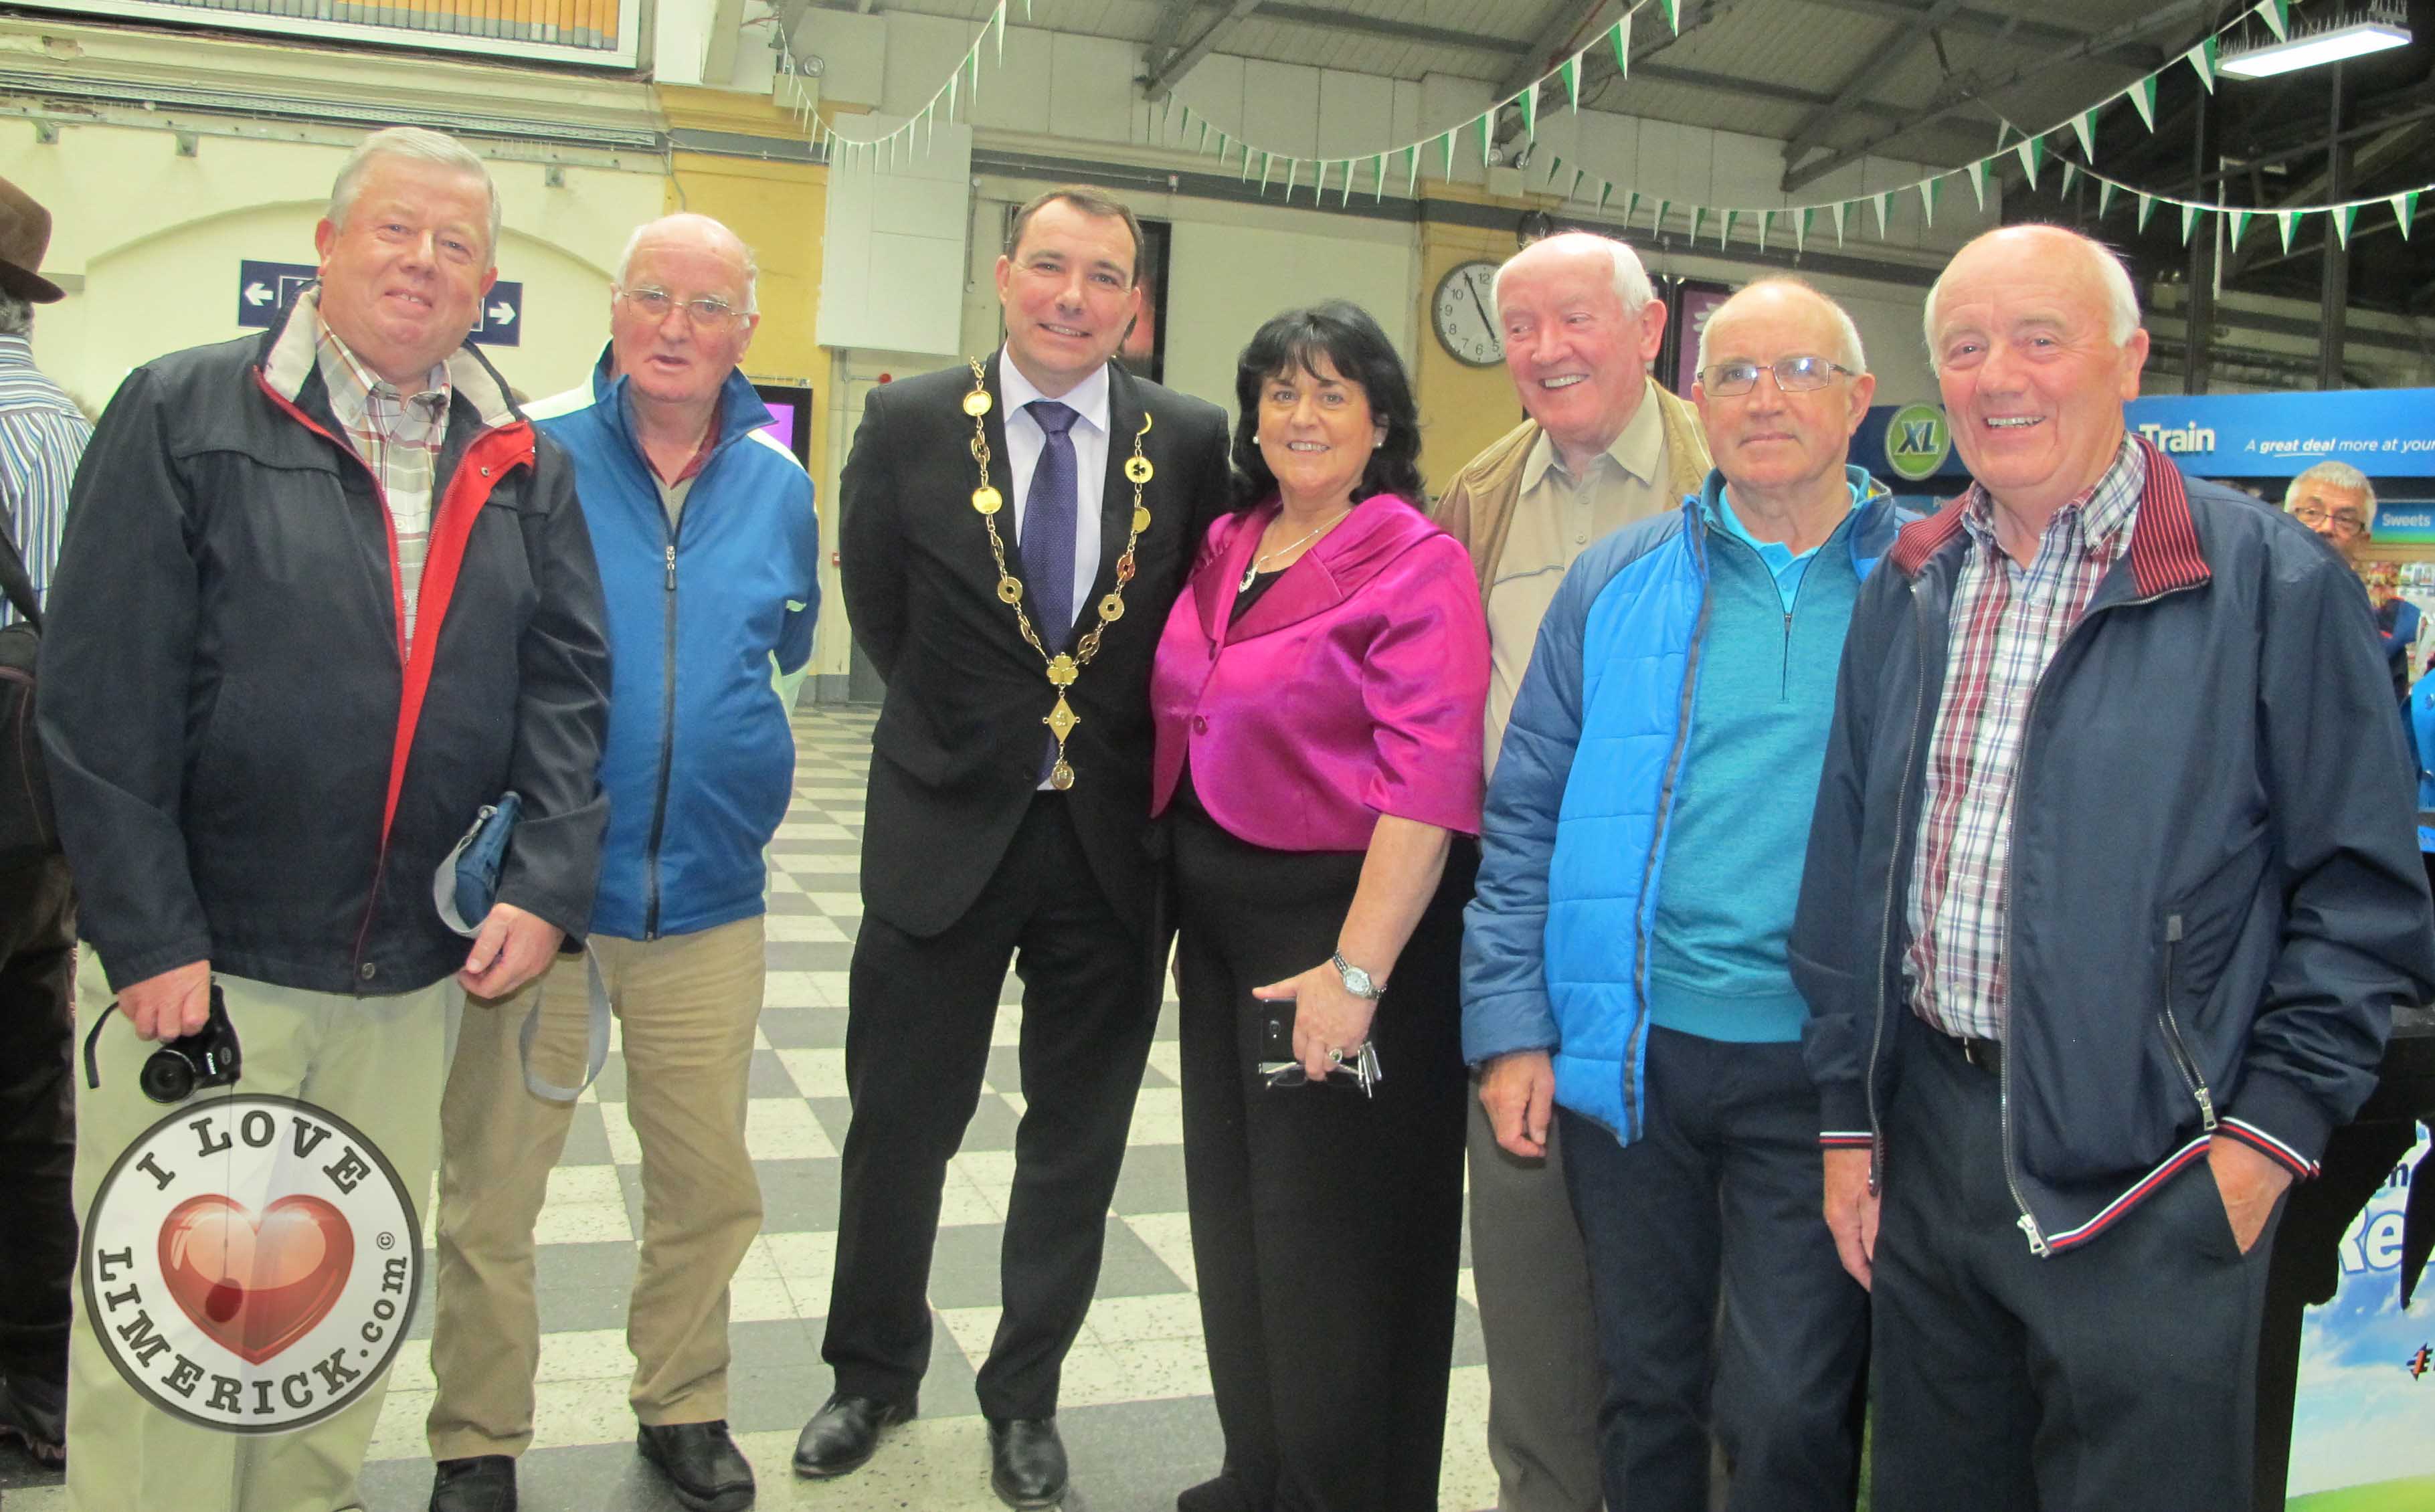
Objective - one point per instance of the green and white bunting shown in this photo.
(1172, 122)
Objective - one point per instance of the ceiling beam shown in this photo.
(1908, 38)
(1568, 19)
(1163, 75)
(2394, 141)
(1761, 90)
(1409, 31)
(1963, 19)
(1166, 30)
(1968, 90)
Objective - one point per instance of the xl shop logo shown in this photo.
(252, 1264)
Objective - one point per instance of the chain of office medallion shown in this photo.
(1061, 669)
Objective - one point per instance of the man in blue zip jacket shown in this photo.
(1624, 960)
(710, 555)
(2098, 945)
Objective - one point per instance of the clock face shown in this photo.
(1462, 314)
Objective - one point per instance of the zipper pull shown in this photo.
(2172, 928)
(2206, 1107)
(2038, 1246)
(672, 566)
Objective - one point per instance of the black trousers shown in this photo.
(1719, 1198)
(38, 1230)
(917, 1047)
(2121, 1374)
(1327, 1228)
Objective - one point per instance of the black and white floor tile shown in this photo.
(1135, 1414)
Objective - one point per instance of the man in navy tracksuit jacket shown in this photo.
(1624, 957)
(2098, 945)
(710, 558)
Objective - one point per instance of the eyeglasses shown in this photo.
(709, 313)
(1793, 375)
(2344, 521)
(1361, 1071)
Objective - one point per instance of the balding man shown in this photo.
(2097, 946)
(1604, 446)
(1624, 961)
(710, 553)
(322, 598)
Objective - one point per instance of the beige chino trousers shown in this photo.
(686, 1008)
(377, 1062)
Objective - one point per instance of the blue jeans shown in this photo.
(1719, 1199)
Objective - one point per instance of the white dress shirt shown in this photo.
(1024, 441)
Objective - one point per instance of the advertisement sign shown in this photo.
(2363, 1418)
(2385, 433)
(1918, 441)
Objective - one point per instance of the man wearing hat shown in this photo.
(42, 435)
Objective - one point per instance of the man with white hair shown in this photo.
(710, 553)
(2097, 946)
(1604, 446)
(324, 595)
(1625, 955)
(2336, 500)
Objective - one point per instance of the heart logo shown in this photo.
(256, 1285)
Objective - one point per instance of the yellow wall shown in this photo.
(1463, 408)
(781, 210)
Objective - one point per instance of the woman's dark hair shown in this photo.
(1343, 332)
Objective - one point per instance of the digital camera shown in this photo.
(207, 1058)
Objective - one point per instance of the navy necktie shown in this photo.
(1048, 527)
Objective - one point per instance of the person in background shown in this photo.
(240, 609)
(1604, 446)
(1317, 695)
(1625, 958)
(710, 552)
(1012, 605)
(2098, 946)
(2397, 620)
(42, 435)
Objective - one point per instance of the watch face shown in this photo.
(1462, 314)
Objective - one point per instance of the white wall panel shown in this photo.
(1225, 279)
(1091, 89)
(893, 276)
(1281, 107)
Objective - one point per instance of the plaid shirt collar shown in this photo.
(2099, 518)
(362, 399)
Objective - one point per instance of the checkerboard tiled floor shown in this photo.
(1136, 1414)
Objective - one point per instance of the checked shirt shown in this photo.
(2008, 621)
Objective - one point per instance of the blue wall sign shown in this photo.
(2385, 433)
(264, 290)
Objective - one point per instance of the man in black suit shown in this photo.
(1013, 606)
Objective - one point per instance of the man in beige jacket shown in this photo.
(1604, 446)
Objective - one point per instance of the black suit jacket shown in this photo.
(956, 754)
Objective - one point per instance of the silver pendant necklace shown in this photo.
(1253, 570)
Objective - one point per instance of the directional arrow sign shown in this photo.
(501, 320)
(264, 290)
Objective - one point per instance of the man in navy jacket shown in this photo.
(710, 557)
(2099, 948)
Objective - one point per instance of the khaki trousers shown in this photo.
(686, 1008)
(1532, 1281)
(377, 1062)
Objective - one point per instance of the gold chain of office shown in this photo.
(1062, 668)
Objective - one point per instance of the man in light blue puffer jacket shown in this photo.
(709, 555)
(1624, 960)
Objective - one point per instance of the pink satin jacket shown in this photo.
(1354, 687)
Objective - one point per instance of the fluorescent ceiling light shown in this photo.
(2355, 40)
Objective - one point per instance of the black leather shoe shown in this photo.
(35, 1415)
(703, 1465)
(486, 1482)
(1026, 1462)
(1222, 1494)
(843, 1435)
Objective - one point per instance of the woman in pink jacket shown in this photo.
(1317, 695)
